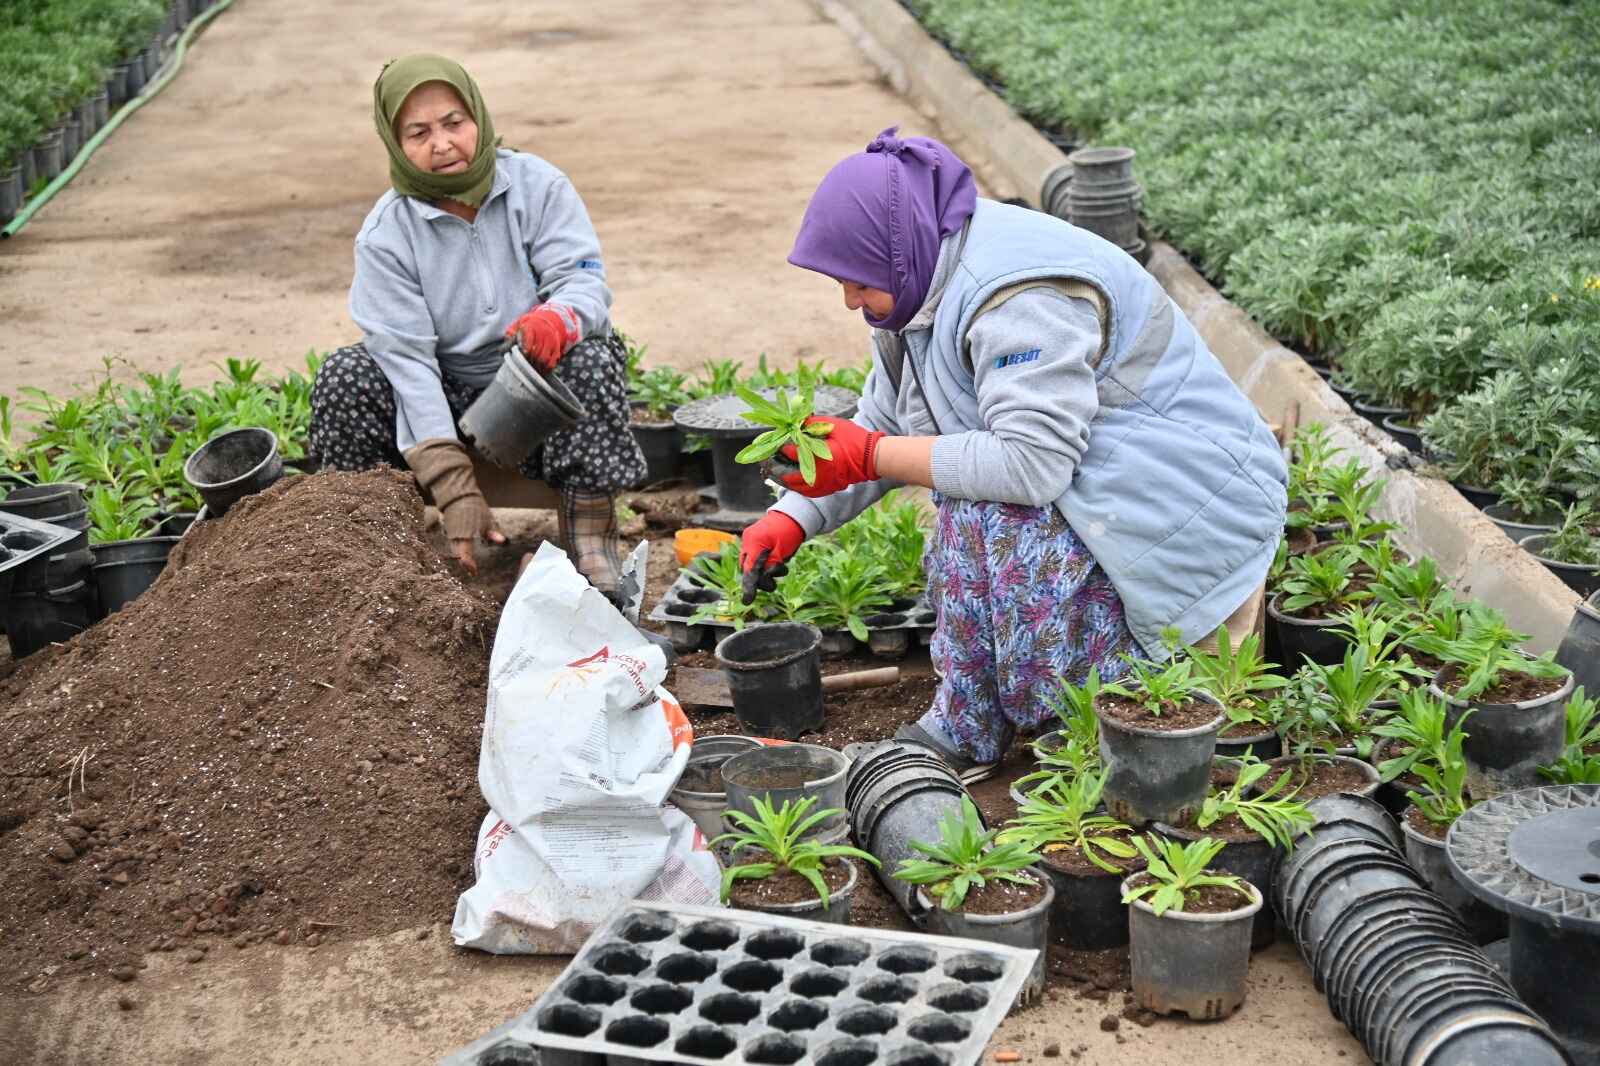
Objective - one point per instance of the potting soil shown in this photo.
(277, 742)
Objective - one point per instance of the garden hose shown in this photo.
(148, 93)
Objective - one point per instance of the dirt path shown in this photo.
(218, 221)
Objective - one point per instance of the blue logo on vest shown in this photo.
(1016, 358)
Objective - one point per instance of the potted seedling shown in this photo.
(1254, 824)
(778, 870)
(1189, 928)
(1242, 681)
(1527, 505)
(1415, 732)
(786, 414)
(1519, 699)
(849, 588)
(972, 885)
(1085, 852)
(1072, 749)
(1315, 729)
(1158, 731)
(653, 395)
(1315, 590)
(1580, 758)
(1572, 550)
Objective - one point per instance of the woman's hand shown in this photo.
(854, 459)
(764, 549)
(545, 333)
(444, 469)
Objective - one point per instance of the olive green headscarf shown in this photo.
(389, 92)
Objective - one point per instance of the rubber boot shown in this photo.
(587, 523)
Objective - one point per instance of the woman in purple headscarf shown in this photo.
(1100, 482)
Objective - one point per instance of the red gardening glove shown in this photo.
(545, 334)
(855, 459)
(764, 548)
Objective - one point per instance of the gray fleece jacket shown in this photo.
(1035, 426)
(434, 294)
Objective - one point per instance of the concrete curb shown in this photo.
(1014, 159)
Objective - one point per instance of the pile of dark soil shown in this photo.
(278, 742)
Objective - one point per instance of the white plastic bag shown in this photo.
(581, 746)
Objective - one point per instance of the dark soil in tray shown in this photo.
(1172, 718)
(1210, 899)
(1513, 688)
(1326, 779)
(1420, 824)
(786, 886)
(1002, 897)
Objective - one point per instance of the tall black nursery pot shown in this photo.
(775, 678)
(1580, 648)
(1427, 856)
(123, 569)
(1088, 913)
(1250, 858)
(1309, 638)
(44, 502)
(1507, 742)
(1195, 964)
(662, 445)
(1584, 580)
(233, 465)
(1156, 776)
(37, 619)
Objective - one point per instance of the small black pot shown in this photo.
(176, 523)
(775, 677)
(1584, 580)
(662, 445)
(837, 911)
(36, 619)
(1028, 929)
(1154, 775)
(1263, 745)
(1478, 497)
(233, 465)
(1193, 964)
(1375, 412)
(1404, 432)
(1252, 860)
(1580, 648)
(44, 503)
(123, 569)
(1089, 914)
(1513, 525)
(1309, 638)
(1507, 742)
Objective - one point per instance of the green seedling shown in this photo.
(778, 834)
(1060, 816)
(1157, 686)
(1241, 679)
(1485, 651)
(1277, 820)
(787, 415)
(1442, 798)
(1177, 871)
(967, 856)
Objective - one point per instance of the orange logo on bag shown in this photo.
(677, 723)
(603, 655)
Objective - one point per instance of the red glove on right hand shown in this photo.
(764, 548)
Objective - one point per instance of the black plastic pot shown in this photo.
(1089, 913)
(43, 503)
(705, 805)
(898, 792)
(1513, 525)
(1584, 580)
(1507, 742)
(662, 445)
(1193, 964)
(1252, 860)
(1028, 928)
(233, 465)
(37, 619)
(1366, 769)
(1156, 776)
(790, 773)
(775, 678)
(1305, 638)
(837, 912)
(1381, 920)
(1265, 744)
(1427, 856)
(520, 408)
(1405, 432)
(1375, 412)
(123, 569)
(1478, 497)
(1580, 647)
(176, 523)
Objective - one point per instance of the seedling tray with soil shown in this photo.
(664, 983)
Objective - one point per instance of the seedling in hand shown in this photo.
(786, 414)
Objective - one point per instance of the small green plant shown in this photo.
(778, 834)
(967, 856)
(848, 588)
(659, 391)
(1177, 871)
(1321, 584)
(1157, 686)
(1418, 729)
(1443, 796)
(112, 516)
(1583, 720)
(1240, 679)
(1485, 651)
(1577, 539)
(1577, 766)
(717, 377)
(1061, 816)
(787, 415)
(722, 574)
(1573, 768)
(1405, 590)
(1277, 820)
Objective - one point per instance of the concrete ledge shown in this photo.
(1014, 159)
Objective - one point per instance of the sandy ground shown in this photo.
(218, 222)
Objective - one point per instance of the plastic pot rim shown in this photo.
(549, 387)
(826, 779)
(1528, 545)
(1560, 695)
(1009, 917)
(1177, 734)
(1237, 914)
(801, 908)
(783, 659)
(1281, 618)
(213, 486)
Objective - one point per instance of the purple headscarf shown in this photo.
(878, 217)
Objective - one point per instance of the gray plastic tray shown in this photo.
(889, 635)
(664, 983)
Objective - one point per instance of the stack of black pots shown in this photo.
(897, 792)
(55, 602)
(1398, 968)
(1096, 191)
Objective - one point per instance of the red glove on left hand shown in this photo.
(855, 458)
(545, 334)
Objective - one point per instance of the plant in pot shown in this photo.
(1527, 505)
(1316, 730)
(973, 885)
(1189, 929)
(1158, 732)
(1519, 700)
(1085, 853)
(653, 395)
(722, 574)
(779, 871)
(1580, 759)
(1354, 498)
(849, 588)
(1572, 550)
(1242, 681)
(1316, 588)
(1062, 754)
(1413, 733)
(1407, 590)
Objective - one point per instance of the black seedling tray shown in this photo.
(26, 544)
(889, 634)
(663, 983)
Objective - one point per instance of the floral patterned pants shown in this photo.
(1021, 605)
(353, 415)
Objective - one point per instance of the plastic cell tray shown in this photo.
(666, 983)
(889, 633)
(26, 544)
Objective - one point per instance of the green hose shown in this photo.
(148, 93)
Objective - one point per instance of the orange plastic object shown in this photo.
(691, 542)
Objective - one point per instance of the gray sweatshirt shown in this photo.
(1032, 360)
(433, 293)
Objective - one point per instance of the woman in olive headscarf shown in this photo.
(475, 243)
